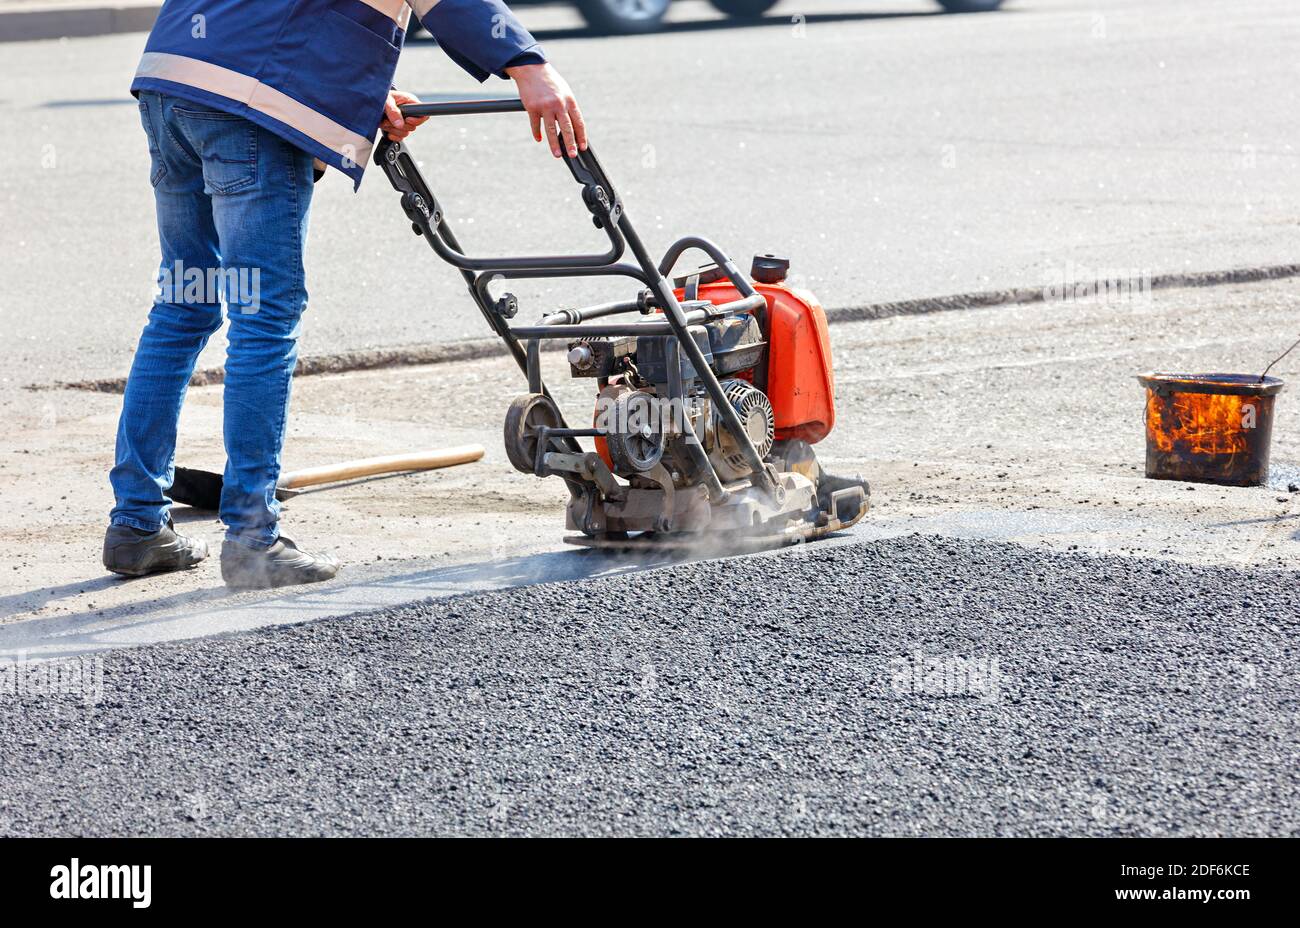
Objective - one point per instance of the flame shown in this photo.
(1199, 423)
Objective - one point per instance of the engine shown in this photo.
(655, 411)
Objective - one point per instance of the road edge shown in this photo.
(57, 21)
(474, 349)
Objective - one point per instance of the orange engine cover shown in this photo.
(800, 381)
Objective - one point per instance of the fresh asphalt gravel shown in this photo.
(917, 686)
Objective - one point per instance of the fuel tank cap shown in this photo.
(769, 269)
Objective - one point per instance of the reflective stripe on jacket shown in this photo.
(315, 72)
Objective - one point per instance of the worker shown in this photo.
(245, 103)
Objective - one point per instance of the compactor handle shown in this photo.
(464, 107)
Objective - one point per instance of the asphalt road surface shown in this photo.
(891, 152)
(912, 686)
(1010, 423)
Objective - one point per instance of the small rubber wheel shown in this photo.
(743, 9)
(527, 416)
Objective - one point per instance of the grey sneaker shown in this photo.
(134, 553)
(282, 564)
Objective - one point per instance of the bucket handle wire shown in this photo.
(1293, 347)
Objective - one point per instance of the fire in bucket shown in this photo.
(1209, 428)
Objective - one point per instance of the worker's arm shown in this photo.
(484, 38)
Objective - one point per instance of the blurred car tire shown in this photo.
(743, 9)
(970, 6)
(625, 17)
(630, 17)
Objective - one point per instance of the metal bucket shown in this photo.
(1209, 428)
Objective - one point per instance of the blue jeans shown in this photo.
(232, 202)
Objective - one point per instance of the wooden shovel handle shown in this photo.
(389, 464)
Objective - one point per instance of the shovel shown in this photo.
(201, 489)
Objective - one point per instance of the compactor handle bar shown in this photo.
(597, 193)
(463, 107)
(607, 212)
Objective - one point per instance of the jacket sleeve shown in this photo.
(482, 36)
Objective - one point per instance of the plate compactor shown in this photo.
(709, 392)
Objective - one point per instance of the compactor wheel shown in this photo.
(527, 416)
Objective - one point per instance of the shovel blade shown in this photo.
(199, 489)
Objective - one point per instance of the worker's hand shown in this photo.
(550, 106)
(395, 125)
